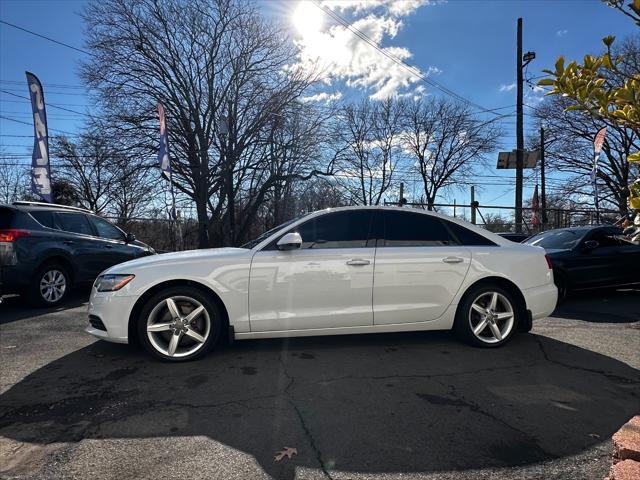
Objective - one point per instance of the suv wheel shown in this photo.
(50, 285)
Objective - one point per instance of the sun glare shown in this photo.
(307, 18)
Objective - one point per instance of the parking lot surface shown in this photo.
(410, 405)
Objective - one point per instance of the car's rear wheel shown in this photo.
(50, 285)
(487, 316)
(179, 324)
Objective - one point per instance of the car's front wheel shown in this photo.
(487, 316)
(179, 324)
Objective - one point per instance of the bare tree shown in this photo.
(370, 136)
(447, 142)
(223, 73)
(14, 179)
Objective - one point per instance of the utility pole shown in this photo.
(543, 199)
(473, 204)
(519, 133)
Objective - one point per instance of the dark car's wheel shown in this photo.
(50, 285)
(179, 324)
(487, 316)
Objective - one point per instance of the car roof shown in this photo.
(41, 206)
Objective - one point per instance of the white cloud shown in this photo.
(562, 33)
(323, 97)
(341, 55)
(507, 88)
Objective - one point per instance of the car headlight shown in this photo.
(112, 282)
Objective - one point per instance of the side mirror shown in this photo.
(130, 238)
(591, 244)
(291, 241)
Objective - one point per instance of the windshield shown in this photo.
(252, 243)
(559, 239)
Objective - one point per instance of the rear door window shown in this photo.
(74, 223)
(406, 229)
(466, 236)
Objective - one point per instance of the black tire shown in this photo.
(157, 307)
(50, 273)
(463, 322)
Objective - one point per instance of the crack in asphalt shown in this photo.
(303, 423)
(617, 379)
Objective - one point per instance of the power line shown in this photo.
(48, 104)
(45, 37)
(29, 124)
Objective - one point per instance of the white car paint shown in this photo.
(273, 293)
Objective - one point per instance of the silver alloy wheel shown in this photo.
(53, 284)
(178, 326)
(491, 317)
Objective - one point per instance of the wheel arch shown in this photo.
(62, 261)
(507, 285)
(139, 305)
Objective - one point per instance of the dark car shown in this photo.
(514, 237)
(590, 257)
(45, 249)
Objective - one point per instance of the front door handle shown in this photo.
(452, 260)
(358, 261)
(109, 246)
(69, 242)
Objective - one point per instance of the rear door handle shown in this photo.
(358, 261)
(109, 246)
(69, 242)
(452, 260)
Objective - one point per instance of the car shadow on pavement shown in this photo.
(410, 402)
(18, 307)
(619, 306)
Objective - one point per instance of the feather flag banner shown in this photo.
(40, 166)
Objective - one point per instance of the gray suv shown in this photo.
(45, 249)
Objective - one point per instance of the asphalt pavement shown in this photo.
(410, 405)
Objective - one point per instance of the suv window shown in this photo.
(44, 218)
(336, 230)
(106, 230)
(6, 216)
(466, 236)
(406, 229)
(74, 223)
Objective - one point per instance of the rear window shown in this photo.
(6, 217)
(44, 218)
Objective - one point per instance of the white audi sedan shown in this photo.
(332, 272)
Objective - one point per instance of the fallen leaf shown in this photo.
(288, 452)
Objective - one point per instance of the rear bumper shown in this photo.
(541, 301)
(114, 312)
(14, 278)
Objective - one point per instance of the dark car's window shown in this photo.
(106, 230)
(74, 223)
(406, 229)
(6, 215)
(336, 230)
(466, 236)
(557, 239)
(44, 218)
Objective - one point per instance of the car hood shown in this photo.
(177, 257)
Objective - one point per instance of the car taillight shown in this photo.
(12, 234)
(549, 264)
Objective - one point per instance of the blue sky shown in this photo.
(466, 45)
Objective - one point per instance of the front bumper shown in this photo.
(541, 301)
(114, 312)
